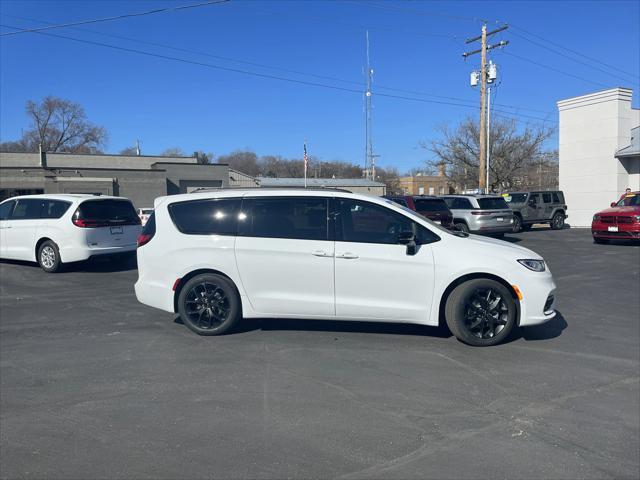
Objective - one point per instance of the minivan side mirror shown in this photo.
(408, 239)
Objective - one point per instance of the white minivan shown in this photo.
(63, 228)
(215, 257)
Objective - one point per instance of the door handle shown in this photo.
(321, 253)
(348, 256)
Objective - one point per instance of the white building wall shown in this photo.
(592, 129)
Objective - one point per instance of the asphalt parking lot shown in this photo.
(95, 385)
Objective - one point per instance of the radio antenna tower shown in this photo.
(369, 161)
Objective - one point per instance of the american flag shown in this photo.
(306, 157)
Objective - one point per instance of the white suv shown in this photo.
(57, 229)
(215, 257)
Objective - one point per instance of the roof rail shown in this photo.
(270, 187)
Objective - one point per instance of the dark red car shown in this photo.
(620, 222)
(434, 208)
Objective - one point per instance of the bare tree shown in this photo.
(172, 152)
(129, 151)
(203, 158)
(61, 125)
(243, 161)
(512, 153)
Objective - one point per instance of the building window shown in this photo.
(420, 190)
(431, 190)
(441, 190)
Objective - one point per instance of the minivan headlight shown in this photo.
(532, 264)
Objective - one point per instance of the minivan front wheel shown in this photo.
(209, 304)
(481, 312)
(49, 257)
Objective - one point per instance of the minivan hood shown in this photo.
(501, 247)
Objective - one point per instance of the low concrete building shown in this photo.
(598, 157)
(140, 178)
(355, 185)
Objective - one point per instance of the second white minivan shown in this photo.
(57, 229)
(215, 257)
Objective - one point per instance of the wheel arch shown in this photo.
(471, 276)
(181, 283)
(40, 242)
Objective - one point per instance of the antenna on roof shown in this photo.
(137, 147)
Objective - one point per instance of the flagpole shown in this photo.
(306, 160)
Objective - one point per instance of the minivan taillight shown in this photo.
(144, 238)
(148, 231)
(81, 222)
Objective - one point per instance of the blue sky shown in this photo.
(415, 46)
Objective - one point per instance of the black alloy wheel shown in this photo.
(209, 304)
(557, 222)
(517, 223)
(481, 312)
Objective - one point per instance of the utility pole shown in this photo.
(369, 160)
(484, 48)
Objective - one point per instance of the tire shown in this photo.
(472, 318)
(214, 313)
(461, 226)
(49, 257)
(601, 241)
(517, 224)
(557, 221)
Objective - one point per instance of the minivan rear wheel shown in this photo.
(49, 257)
(481, 312)
(209, 304)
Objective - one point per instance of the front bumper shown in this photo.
(538, 300)
(625, 231)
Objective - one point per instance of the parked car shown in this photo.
(57, 229)
(144, 214)
(620, 222)
(434, 208)
(215, 257)
(483, 214)
(537, 207)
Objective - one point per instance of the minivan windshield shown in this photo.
(493, 203)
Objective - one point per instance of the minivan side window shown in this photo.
(302, 218)
(364, 222)
(206, 217)
(54, 208)
(546, 197)
(27, 209)
(5, 209)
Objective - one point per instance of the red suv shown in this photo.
(620, 222)
(434, 208)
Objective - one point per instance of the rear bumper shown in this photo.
(493, 229)
(78, 254)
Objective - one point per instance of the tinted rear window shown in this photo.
(493, 203)
(206, 217)
(54, 208)
(287, 217)
(430, 205)
(109, 211)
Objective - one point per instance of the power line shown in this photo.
(255, 74)
(571, 58)
(511, 54)
(635, 76)
(276, 68)
(117, 17)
